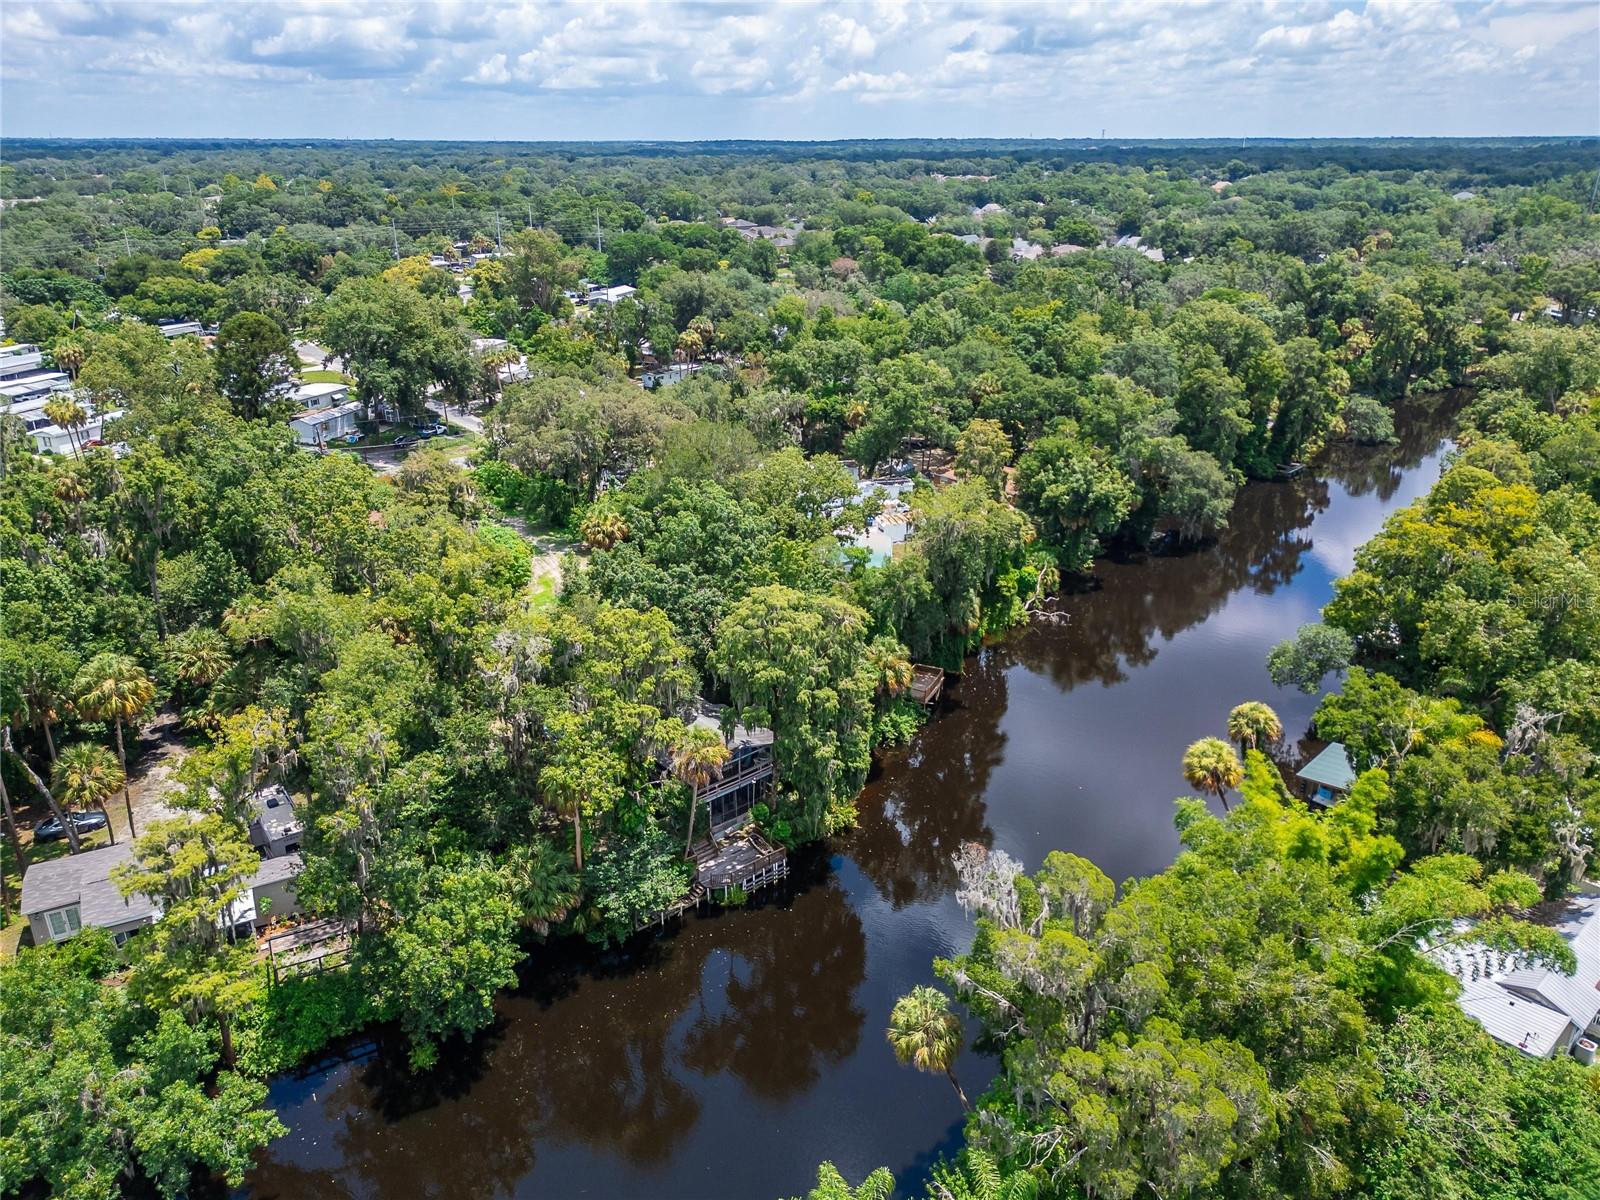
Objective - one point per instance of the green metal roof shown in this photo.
(1331, 768)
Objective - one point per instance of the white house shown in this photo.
(1537, 1011)
(610, 295)
(313, 397)
(48, 437)
(319, 426)
(21, 359)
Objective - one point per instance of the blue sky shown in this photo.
(537, 71)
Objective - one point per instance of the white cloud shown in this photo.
(448, 67)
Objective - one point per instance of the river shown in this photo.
(727, 1057)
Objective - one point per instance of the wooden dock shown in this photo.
(927, 684)
(746, 860)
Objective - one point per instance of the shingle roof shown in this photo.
(275, 870)
(84, 879)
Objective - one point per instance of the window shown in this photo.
(63, 922)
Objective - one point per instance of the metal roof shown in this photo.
(1531, 1007)
(1331, 768)
(323, 416)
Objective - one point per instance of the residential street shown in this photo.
(458, 416)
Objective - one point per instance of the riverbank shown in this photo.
(626, 1072)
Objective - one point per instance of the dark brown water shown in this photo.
(728, 1057)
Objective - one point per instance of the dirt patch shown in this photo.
(150, 768)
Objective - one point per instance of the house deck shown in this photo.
(746, 860)
(308, 948)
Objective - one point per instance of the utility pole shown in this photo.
(497, 246)
(395, 230)
(530, 216)
(127, 244)
(599, 243)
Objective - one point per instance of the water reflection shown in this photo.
(786, 1008)
(928, 799)
(727, 1057)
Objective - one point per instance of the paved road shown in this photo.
(457, 416)
(312, 355)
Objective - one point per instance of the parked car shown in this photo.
(405, 439)
(51, 830)
(428, 431)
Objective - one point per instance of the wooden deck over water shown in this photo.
(927, 683)
(745, 860)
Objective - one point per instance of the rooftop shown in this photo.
(307, 392)
(84, 879)
(321, 416)
(1531, 1007)
(1331, 768)
(275, 815)
(710, 717)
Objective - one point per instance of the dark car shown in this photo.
(405, 439)
(51, 830)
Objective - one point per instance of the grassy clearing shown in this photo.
(542, 592)
(320, 376)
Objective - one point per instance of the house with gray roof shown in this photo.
(64, 895)
(275, 827)
(1532, 1008)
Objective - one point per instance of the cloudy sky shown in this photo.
(558, 70)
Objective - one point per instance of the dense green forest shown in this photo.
(1064, 349)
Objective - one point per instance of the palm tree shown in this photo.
(41, 683)
(893, 668)
(197, 658)
(1210, 765)
(113, 687)
(690, 344)
(1254, 725)
(977, 1176)
(66, 412)
(604, 529)
(69, 356)
(697, 762)
(926, 1035)
(546, 888)
(71, 490)
(85, 775)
